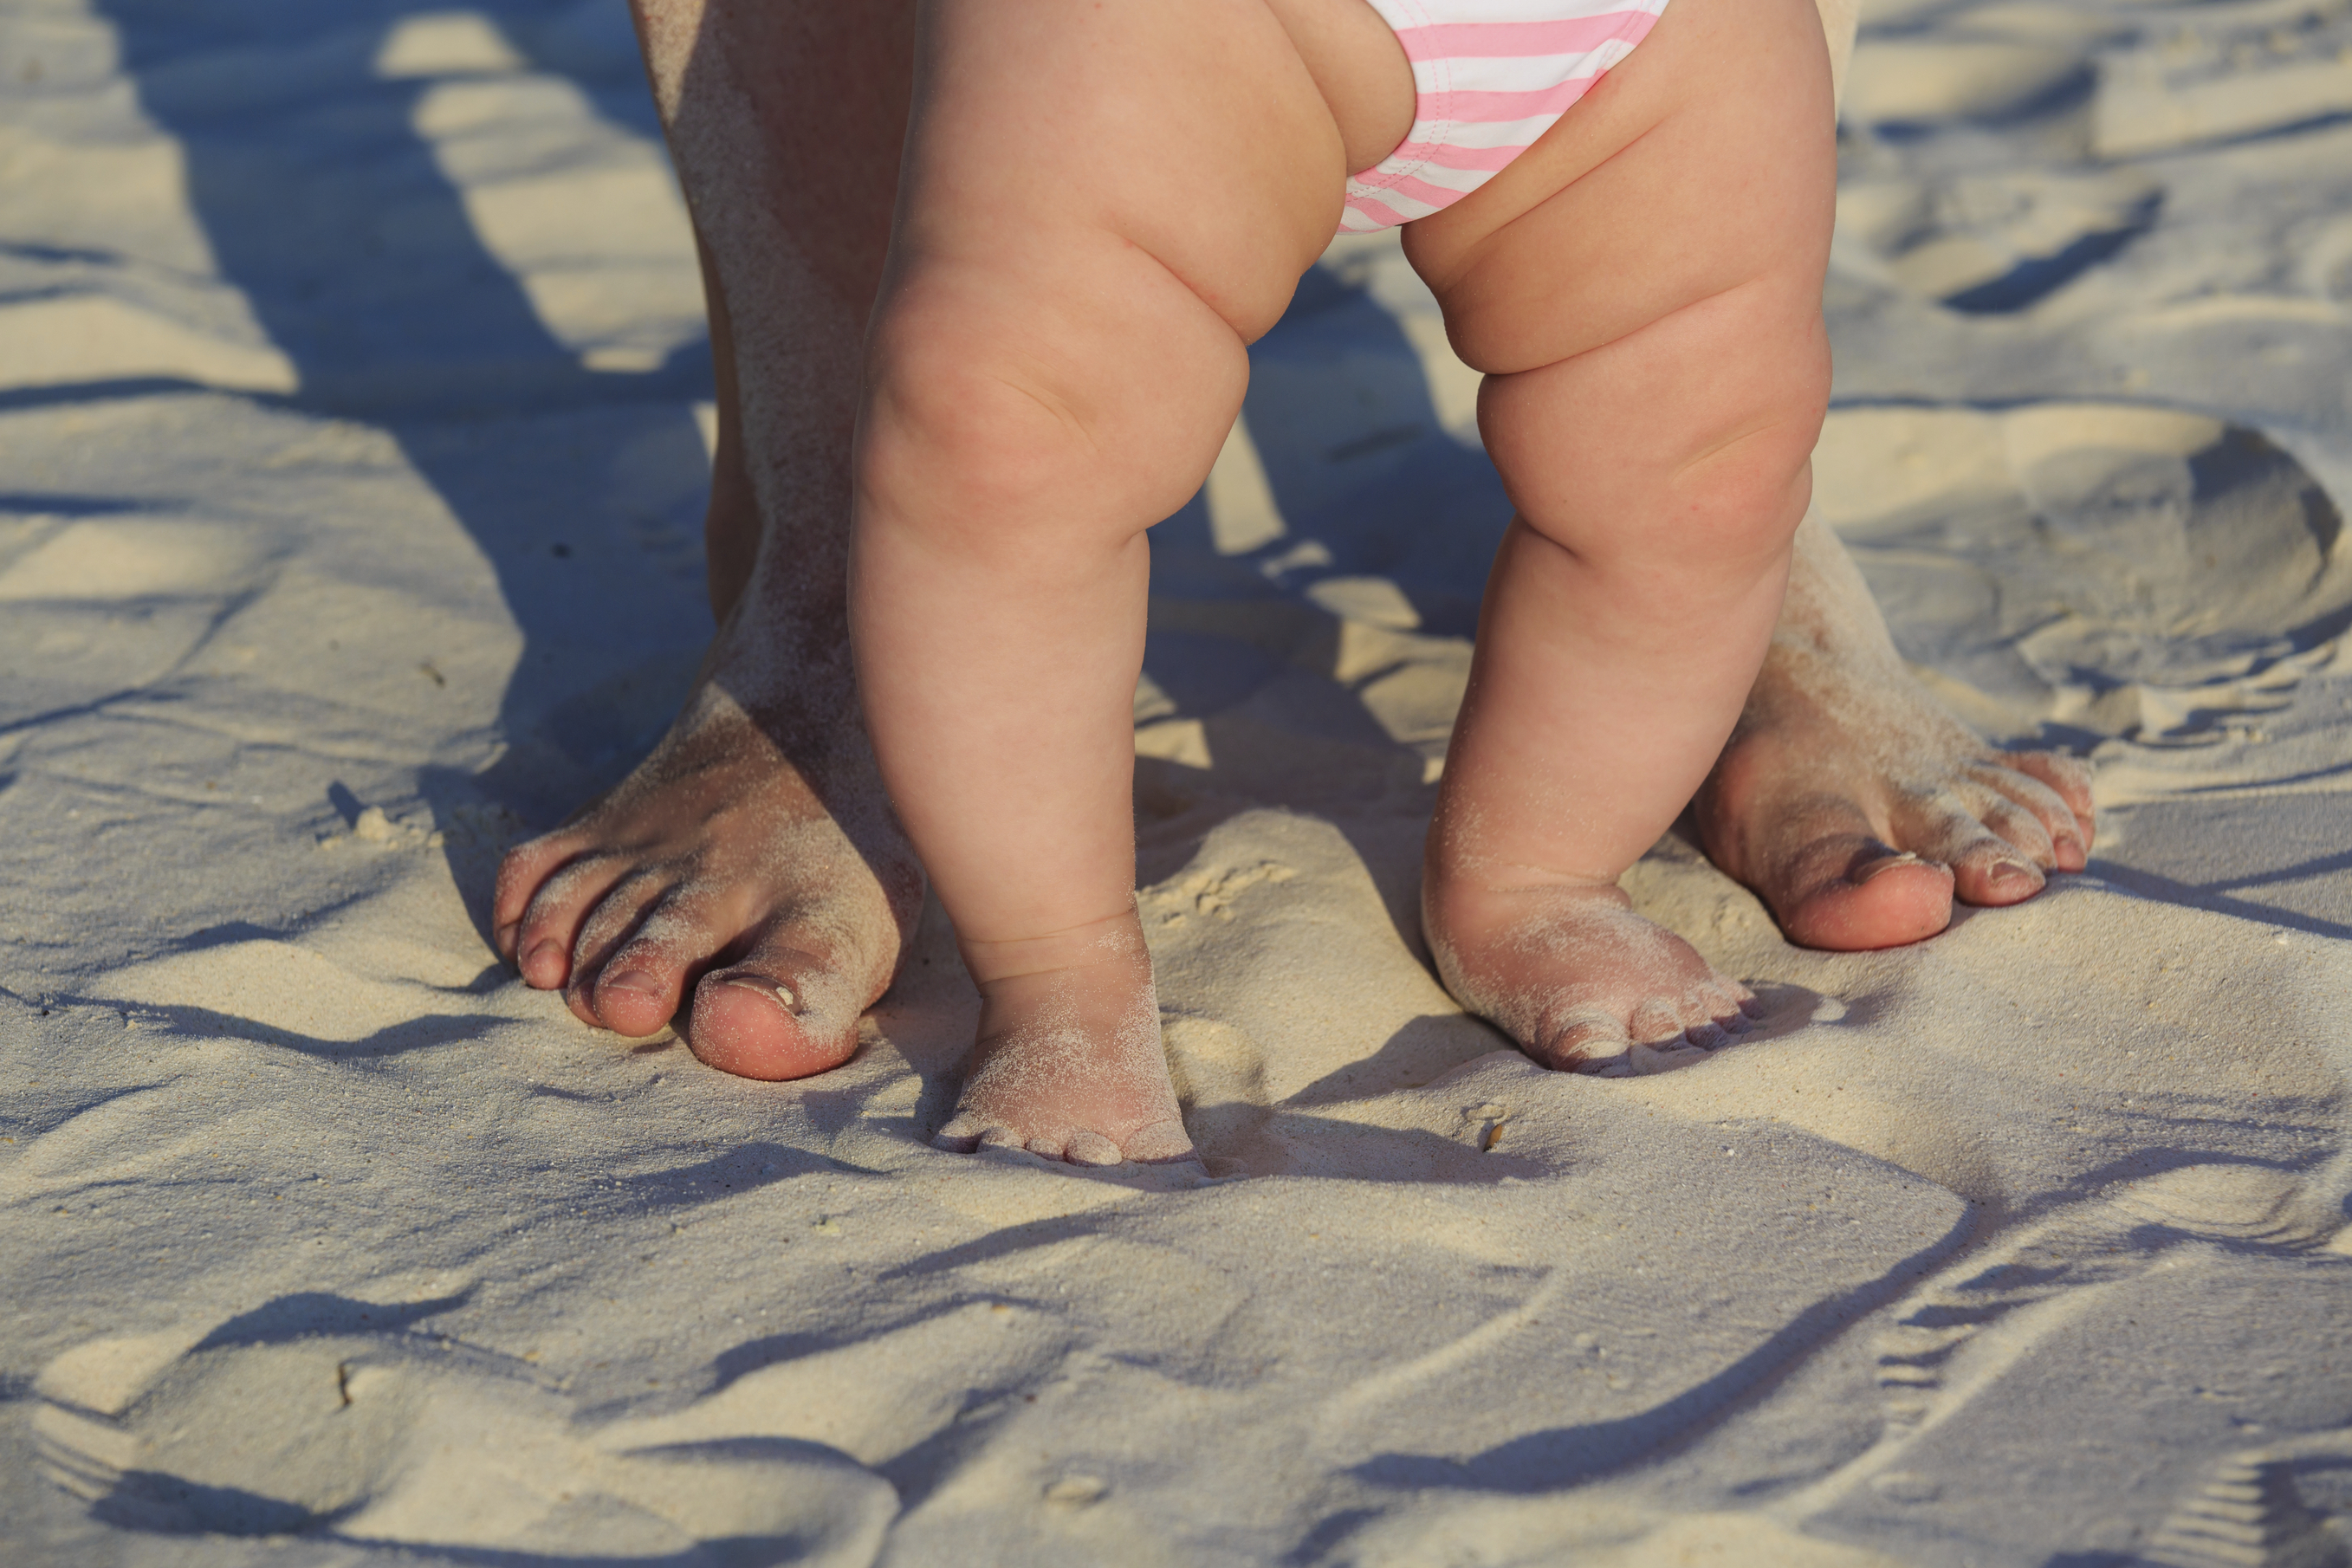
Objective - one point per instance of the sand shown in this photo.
(350, 368)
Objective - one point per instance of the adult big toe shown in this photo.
(1849, 892)
(777, 1015)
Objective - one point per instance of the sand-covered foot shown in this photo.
(1854, 804)
(1069, 1063)
(752, 859)
(1575, 976)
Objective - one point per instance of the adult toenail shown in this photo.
(635, 980)
(1888, 864)
(546, 952)
(782, 994)
(2010, 874)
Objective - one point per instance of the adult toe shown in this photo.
(2063, 819)
(2069, 778)
(638, 983)
(547, 937)
(1991, 869)
(523, 870)
(1854, 892)
(615, 923)
(1987, 868)
(786, 1009)
(640, 987)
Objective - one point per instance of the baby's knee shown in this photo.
(997, 429)
(1702, 466)
(954, 432)
(1741, 487)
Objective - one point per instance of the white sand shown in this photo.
(350, 481)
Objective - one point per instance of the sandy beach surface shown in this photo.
(352, 453)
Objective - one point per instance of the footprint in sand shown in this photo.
(1916, 82)
(1984, 243)
(2222, 74)
(1968, 1326)
(1209, 893)
(2178, 573)
(1948, 193)
(299, 1420)
(2254, 1510)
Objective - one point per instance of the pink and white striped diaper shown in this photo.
(1489, 76)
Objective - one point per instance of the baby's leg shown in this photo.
(1643, 287)
(1101, 206)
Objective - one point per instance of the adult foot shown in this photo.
(751, 857)
(1069, 1063)
(1574, 975)
(1854, 804)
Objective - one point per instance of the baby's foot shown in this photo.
(1575, 976)
(751, 857)
(1854, 804)
(1069, 1063)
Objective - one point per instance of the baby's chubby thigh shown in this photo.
(1101, 206)
(1192, 131)
(1642, 287)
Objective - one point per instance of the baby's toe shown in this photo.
(1724, 1005)
(1091, 1148)
(1160, 1142)
(962, 1136)
(1582, 1036)
(1654, 1021)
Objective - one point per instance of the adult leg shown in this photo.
(1855, 803)
(752, 858)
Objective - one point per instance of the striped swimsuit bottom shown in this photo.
(1489, 77)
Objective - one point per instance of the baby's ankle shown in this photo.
(1486, 889)
(1113, 940)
